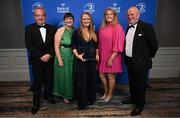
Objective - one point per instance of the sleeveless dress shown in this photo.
(63, 76)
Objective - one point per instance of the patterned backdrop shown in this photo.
(56, 8)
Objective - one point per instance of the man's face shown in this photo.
(39, 16)
(133, 15)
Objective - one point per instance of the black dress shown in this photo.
(85, 71)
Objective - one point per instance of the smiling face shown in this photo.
(109, 16)
(39, 16)
(69, 21)
(86, 20)
(133, 15)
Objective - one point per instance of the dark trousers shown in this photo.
(42, 75)
(85, 82)
(137, 84)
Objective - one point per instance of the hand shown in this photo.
(109, 63)
(97, 57)
(81, 57)
(61, 64)
(45, 58)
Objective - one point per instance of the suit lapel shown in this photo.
(138, 30)
(47, 34)
(126, 30)
(38, 33)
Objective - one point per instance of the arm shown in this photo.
(112, 57)
(57, 44)
(118, 43)
(79, 56)
(74, 45)
(97, 55)
(97, 47)
(151, 40)
(29, 44)
(52, 51)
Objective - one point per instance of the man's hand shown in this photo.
(45, 58)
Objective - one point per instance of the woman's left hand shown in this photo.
(109, 63)
(97, 57)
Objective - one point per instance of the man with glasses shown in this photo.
(39, 40)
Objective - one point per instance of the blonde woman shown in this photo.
(84, 46)
(111, 45)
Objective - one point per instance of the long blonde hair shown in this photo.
(92, 34)
(104, 22)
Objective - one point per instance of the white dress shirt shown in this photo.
(43, 33)
(129, 40)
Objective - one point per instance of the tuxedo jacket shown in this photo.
(144, 48)
(36, 46)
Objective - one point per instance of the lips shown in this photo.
(68, 22)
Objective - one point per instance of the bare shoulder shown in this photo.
(61, 30)
(59, 33)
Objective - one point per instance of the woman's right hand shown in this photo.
(80, 56)
(61, 64)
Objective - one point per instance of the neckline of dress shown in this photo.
(68, 29)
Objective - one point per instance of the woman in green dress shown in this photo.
(63, 64)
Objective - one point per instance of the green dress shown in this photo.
(63, 76)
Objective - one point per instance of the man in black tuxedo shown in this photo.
(141, 45)
(39, 40)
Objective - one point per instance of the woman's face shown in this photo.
(109, 16)
(68, 21)
(86, 20)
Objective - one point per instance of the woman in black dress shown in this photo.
(84, 46)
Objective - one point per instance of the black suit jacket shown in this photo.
(36, 46)
(145, 46)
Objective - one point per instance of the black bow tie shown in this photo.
(39, 26)
(130, 26)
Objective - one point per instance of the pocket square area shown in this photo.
(140, 35)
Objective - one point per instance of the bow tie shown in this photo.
(39, 26)
(130, 26)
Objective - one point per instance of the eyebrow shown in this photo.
(85, 18)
